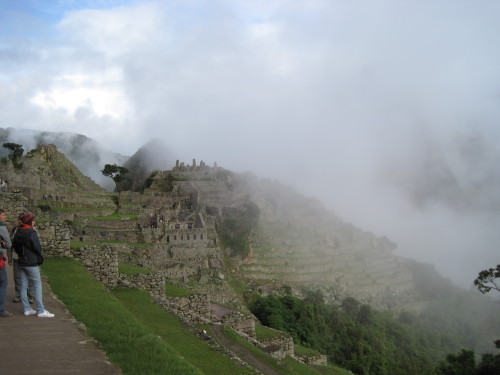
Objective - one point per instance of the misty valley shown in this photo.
(247, 264)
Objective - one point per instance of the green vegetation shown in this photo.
(487, 280)
(67, 208)
(352, 335)
(115, 172)
(128, 342)
(165, 184)
(464, 363)
(305, 352)
(234, 231)
(16, 153)
(299, 368)
(287, 367)
(115, 216)
(142, 338)
(172, 290)
(171, 331)
(76, 245)
(266, 333)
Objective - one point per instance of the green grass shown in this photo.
(298, 368)
(265, 333)
(69, 209)
(305, 352)
(142, 338)
(287, 367)
(173, 332)
(127, 341)
(172, 290)
(135, 244)
(76, 245)
(238, 285)
(129, 269)
(115, 216)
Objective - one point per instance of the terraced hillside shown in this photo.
(174, 225)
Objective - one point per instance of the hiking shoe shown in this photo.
(30, 312)
(45, 314)
(16, 300)
(5, 314)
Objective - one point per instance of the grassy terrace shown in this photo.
(78, 209)
(127, 341)
(137, 335)
(75, 245)
(172, 290)
(142, 338)
(266, 333)
(115, 216)
(287, 367)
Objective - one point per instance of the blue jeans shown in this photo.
(31, 275)
(3, 287)
(17, 280)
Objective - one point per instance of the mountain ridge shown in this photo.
(295, 243)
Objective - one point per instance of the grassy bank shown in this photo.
(128, 343)
(142, 338)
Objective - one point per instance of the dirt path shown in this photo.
(58, 345)
(241, 352)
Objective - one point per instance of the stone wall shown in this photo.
(13, 204)
(179, 262)
(55, 238)
(194, 309)
(153, 283)
(240, 323)
(279, 347)
(101, 262)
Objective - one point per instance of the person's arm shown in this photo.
(36, 246)
(6, 242)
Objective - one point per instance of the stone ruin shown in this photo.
(185, 242)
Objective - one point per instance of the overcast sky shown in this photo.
(369, 105)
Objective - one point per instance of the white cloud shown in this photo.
(100, 95)
(339, 98)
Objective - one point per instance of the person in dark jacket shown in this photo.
(29, 251)
(15, 267)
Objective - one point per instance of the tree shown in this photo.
(115, 172)
(487, 280)
(16, 152)
(463, 363)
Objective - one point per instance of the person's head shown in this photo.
(3, 216)
(27, 218)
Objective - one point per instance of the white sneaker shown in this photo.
(45, 314)
(30, 312)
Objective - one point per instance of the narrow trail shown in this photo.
(47, 346)
(244, 354)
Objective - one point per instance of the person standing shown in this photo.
(17, 271)
(6, 244)
(26, 244)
